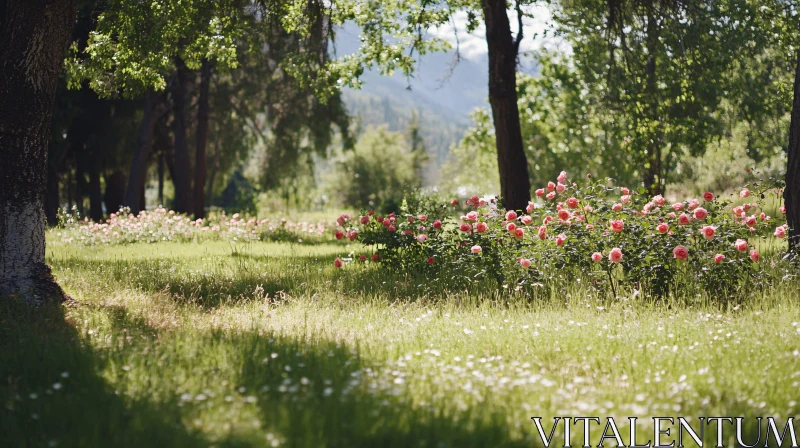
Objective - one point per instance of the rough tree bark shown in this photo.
(115, 191)
(202, 140)
(51, 202)
(33, 37)
(144, 145)
(653, 176)
(515, 184)
(95, 192)
(791, 194)
(182, 179)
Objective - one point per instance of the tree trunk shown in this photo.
(161, 178)
(653, 178)
(51, 202)
(33, 37)
(115, 191)
(202, 140)
(95, 192)
(144, 145)
(182, 180)
(791, 195)
(515, 184)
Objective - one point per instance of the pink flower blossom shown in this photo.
(422, 218)
(708, 232)
(547, 219)
(700, 213)
(680, 253)
(678, 206)
(740, 245)
(551, 186)
(663, 227)
(337, 262)
(560, 239)
(718, 258)
(750, 221)
(562, 177)
(511, 227)
(625, 191)
(465, 227)
(708, 196)
(482, 227)
(572, 203)
(693, 204)
(476, 249)
(364, 219)
(339, 234)
(540, 192)
(671, 215)
(616, 207)
(780, 232)
(392, 228)
(754, 255)
(560, 187)
(597, 256)
(511, 215)
(437, 224)
(684, 219)
(658, 200)
(617, 225)
(362, 257)
(430, 260)
(519, 233)
(551, 195)
(374, 257)
(542, 232)
(589, 226)
(615, 256)
(783, 209)
(526, 263)
(454, 202)
(422, 238)
(625, 199)
(531, 206)
(744, 193)
(563, 215)
(526, 219)
(472, 216)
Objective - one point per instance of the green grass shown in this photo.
(265, 344)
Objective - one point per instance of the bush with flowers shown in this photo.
(152, 226)
(616, 237)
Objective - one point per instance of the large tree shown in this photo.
(33, 38)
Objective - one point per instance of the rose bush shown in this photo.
(616, 236)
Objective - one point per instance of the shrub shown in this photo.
(616, 237)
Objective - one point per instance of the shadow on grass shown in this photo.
(305, 393)
(53, 395)
(237, 277)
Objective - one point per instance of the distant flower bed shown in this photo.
(615, 236)
(159, 225)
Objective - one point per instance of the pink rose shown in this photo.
(718, 258)
(540, 192)
(476, 249)
(780, 232)
(364, 219)
(589, 226)
(617, 225)
(562, 177)
(454, 202)
(519, 233)
(684, 219)
(783, 209)
(511, 215)
(563, 215)
(615, 256)
(616, 207)
(625, 199)
(374, 257)
(754, 255)
(762, 216)
(708, 232)
(693, 204)
(560, 187)
(624, 191)
(663, 227)
(671, 215)
(542, 233)
(678, 206)
(572, 203)
(597, 256)
(750, 221)
(551, 186)
(337, 262)
(740, 245)
(744, 193)
(708, 196)
(560, 239)
(437, 224)
(339, 234)
(551, 195)
(700, 213)
(531, 206)
(511, 227)
(362, 257)
(422, 238)
(422, 218)
(680, 252)
(525, 262)
(526, 220)
(547, 219)
(658, 200)
(465, 227)
(482, 227)
(472, 216)
(430, 260)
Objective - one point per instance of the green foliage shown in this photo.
(472, 165)
(375, 173)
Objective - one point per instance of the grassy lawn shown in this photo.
(266, 344)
